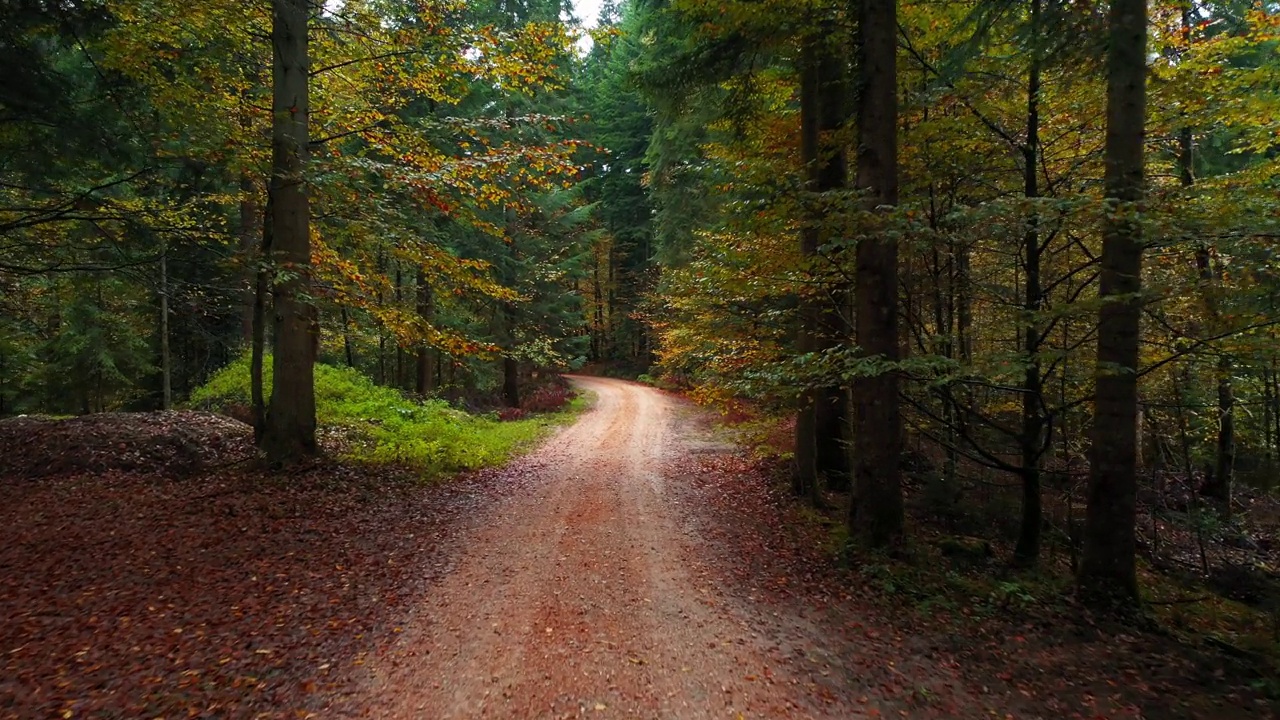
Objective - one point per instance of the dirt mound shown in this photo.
(173, 443)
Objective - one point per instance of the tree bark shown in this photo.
(348, 348)
(1219, 486)
(249, 236)
(822, 411)
(511, 381)
(510, 364)
(291, 419)
(399, 382)
(877, 511)
(1031, 437)
(1268, 405)
(426, 311)
(258, 339)
(509, 312)
(831, 435)
(831, 174)
(804, 479)
(597, 324)
(166, 358)
(611, 298)
(1107, 579)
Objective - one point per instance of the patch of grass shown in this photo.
(431, 437)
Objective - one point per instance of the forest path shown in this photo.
(585, 595)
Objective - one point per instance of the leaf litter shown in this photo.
(178, 581)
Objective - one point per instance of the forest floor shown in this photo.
(633, 566)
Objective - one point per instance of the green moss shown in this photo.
(384, 427)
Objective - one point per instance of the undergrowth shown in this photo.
(383, 427)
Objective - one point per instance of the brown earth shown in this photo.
(631, 567)
(588, 596)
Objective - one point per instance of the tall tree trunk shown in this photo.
(831, 422)
(291, 419)
(877, 511)
(258, 341)
(821, 415)
(1269, 439)
(399, 382)
(597, 324)
(830, 173)
(382, 358)
(348, 348)
(805, 472)
(166, 358)
(1225, 467)
(382, 333)
(511, 381)
(1108, 577)
(1219, 486)
(509, 313)
(1031, 439)
(945, 321)
(611, 297)
(1275, 400)
(426, 311)
(510, 364)
(249, 235)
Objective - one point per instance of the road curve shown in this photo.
(579, 597)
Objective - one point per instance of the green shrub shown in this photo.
(385, 427)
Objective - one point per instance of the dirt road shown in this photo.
(630, 568)
(584, 596)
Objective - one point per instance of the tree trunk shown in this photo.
(877, 510)
(258, 341)
(1108, 578)
(611, 298)
(166, 358)
(1031, 439)
(510, 313)
(426, 311)
(830, 173)
(805, 473)
(291, 420)
(399, 382)
(249, 235)
(1219, 487)
(348, 348)
(831, 430)
(382, 358)
(1224, 469)
(597, 323)
(823, 415)
(1268, 411)
(511, 381)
